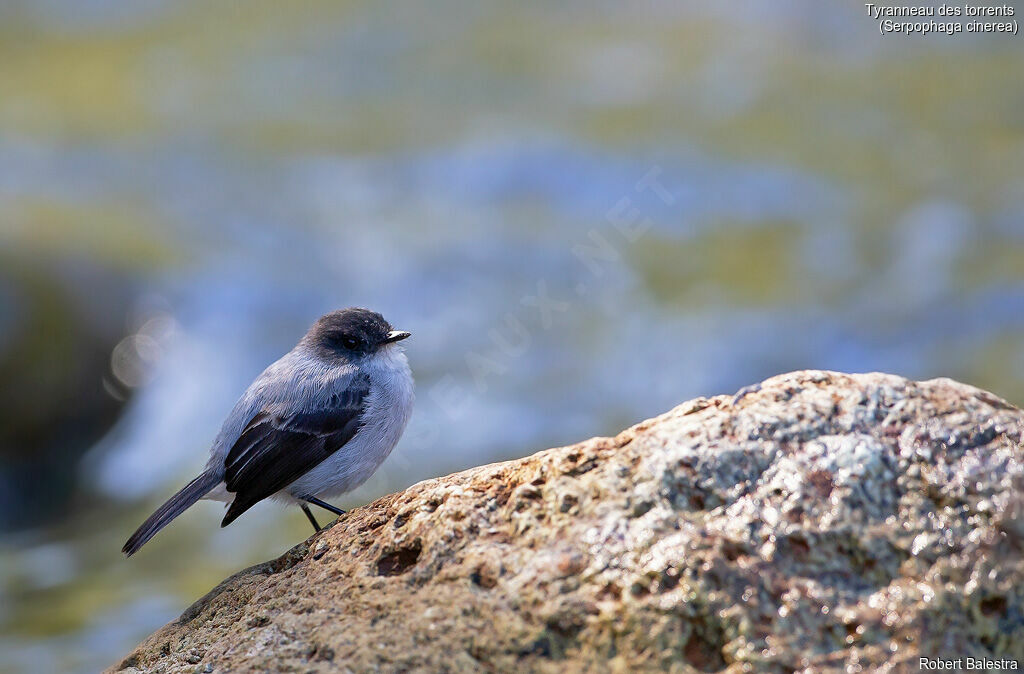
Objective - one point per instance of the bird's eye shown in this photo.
(350, 342)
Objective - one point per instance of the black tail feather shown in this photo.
(237, 507)
(174, 506)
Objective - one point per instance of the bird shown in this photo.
(315, 424)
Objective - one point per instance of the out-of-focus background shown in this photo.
(584, 214)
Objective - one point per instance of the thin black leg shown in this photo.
(324, 505)
(312, 520)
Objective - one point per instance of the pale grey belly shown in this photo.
(344, 470)
(361, 456)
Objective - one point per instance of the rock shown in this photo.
(823, 521)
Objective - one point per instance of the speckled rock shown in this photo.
(821, 521)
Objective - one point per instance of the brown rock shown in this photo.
(822, 522)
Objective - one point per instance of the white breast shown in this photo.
(388, 408)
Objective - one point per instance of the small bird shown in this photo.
(315, 424)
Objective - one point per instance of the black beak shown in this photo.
(396, 336)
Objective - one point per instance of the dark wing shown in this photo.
(275, 449)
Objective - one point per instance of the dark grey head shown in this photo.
(351, 333)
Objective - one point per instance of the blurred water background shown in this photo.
(585, 214)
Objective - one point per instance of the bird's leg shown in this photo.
(312, 520)
(324, 505)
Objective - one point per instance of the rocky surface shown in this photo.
(821, 521)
